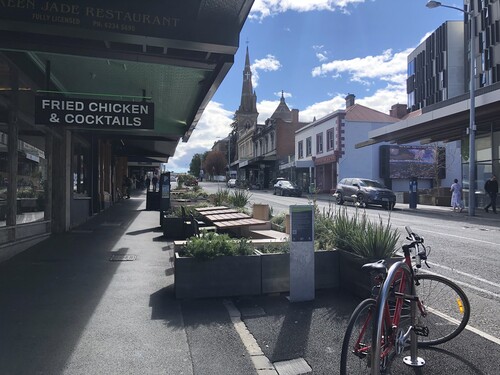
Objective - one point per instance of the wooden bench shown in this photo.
(211, 208)
(268, 233)
(226, 216)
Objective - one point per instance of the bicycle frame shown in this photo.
(387, 310)
(382, 309)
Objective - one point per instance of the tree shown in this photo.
(215, 163)
(195, 165)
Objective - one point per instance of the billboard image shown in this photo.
(416, 161)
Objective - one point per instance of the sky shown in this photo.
(317, 52)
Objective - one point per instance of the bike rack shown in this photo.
(413, 360)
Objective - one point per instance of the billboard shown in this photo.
(423, 162)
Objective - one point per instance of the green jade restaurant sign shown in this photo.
(88, 113)
(164, 19)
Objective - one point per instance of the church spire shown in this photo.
(248, 97)
(282, 111)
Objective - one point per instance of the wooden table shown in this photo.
(223, 216)
(238, 223)
(211, 208)
(217, 212)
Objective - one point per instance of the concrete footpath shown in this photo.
(100, 300)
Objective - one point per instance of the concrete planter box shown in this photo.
(219, 277)
(247, 275)
(355, 280)
(276, 271)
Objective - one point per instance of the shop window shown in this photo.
(80, 168)
(319, 143)
(300, 148)
(31, 179)
(329, 139)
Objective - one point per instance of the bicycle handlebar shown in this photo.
(416, 240)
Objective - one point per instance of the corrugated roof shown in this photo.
(360, 113)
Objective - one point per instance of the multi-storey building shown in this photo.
(324, 149)
(436, 67)
(440, 112)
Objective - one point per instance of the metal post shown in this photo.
(472, 111)
(472, 126)
(413, 359)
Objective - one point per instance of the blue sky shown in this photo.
(318, 51)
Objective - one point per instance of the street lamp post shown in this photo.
(472, 112)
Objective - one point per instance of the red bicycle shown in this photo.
(405, 308)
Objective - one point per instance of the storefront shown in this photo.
(85, 88)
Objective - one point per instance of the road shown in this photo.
(465, 250)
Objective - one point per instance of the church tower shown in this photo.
(247, 114)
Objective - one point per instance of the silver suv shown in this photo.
(365, 192)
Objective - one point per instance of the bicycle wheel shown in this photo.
(447, 306)
(357, 345)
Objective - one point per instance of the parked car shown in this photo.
(232, 182)
(365, 192)
(284, 187)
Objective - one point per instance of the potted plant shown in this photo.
(172, 224)
(359, 241)
(215, 266)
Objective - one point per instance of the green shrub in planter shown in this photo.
(355, 234)
(239, 198)
(276, 248)
(212, 245)
(379, 241)
(221, 197)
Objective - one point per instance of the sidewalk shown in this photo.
(100, 300)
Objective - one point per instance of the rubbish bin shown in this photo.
(413, 192)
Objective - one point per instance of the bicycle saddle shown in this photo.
(379, 266)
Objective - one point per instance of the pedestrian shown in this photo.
(147, 182)
(127, 184)
(456, 196)
(491, 188)
(154, 180)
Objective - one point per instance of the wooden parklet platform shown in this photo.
(240, 223)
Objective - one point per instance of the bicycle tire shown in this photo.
(351, 363)
(448, 309)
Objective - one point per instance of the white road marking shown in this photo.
(485, 335)
(459, 237)
(467, 285)
(496, 285)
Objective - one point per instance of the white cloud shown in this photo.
(321, 109)
(265, 8)
(321, 56)
(284, 93)
(386, 66)
(214, 123)
(267, 64)
(266, 108)
(321, 53)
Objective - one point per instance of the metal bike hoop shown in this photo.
(377, 328)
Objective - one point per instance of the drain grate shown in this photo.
(293, 367)
(122, 257)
